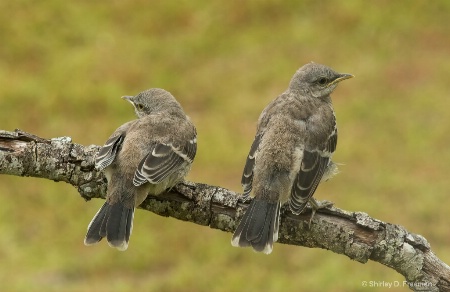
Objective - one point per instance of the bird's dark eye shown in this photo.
(322, 81)
(139, 106)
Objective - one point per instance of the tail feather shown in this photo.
(259, 226)
(105, 219)
(118, 226)
(276, 225)
(115, 222)
(94, 233)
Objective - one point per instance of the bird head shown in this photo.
(317, 80)
(151, 101)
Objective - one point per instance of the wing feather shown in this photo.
(247, 175)
(108, 152)
(311, 171)
(163, 160)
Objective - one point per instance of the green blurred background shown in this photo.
(64, 65)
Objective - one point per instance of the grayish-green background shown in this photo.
(65, 64)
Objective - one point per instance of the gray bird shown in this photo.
(290, 155)
(145, 156)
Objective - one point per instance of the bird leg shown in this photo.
(316, 205)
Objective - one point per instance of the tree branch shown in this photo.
(353, 234)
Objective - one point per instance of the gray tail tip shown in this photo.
(90, 241)
(237, 242)
(119, 245)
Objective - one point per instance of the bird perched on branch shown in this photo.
(145, 156)
(290, 155)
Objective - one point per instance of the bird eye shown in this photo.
(322, 81)
(139, 106)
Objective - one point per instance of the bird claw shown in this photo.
(243, 198)
(316, 205)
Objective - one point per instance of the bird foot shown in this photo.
(316, 205)
(243, 198)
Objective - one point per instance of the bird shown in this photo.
(148, 155)
(291, 154)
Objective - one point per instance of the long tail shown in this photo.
(115, 222)
(259, 226)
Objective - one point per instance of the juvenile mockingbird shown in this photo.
(291, 154)
(145, 156)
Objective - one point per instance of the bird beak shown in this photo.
(128, 98)
(341, 77)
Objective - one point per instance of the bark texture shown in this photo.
(354, 234)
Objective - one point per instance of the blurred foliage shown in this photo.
(64, 65)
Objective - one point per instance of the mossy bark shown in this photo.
(354, 234)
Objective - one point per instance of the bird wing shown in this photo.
(313, 165)
(247, 175)
(330, 146)
(163, 160)
(108, 152)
